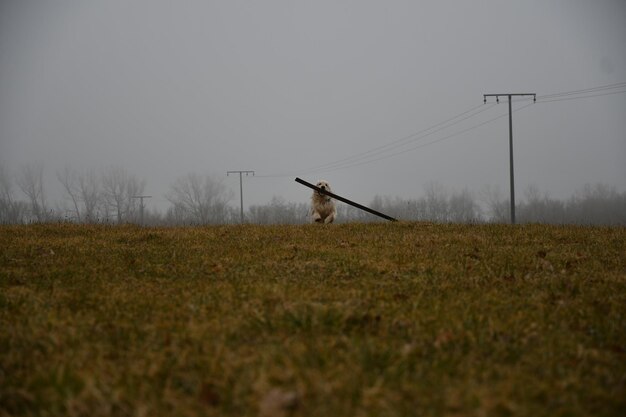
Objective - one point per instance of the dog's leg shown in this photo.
(330, 218)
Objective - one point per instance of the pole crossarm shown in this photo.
(240, 172)
(497, 96)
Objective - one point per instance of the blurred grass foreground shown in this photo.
(405, 319)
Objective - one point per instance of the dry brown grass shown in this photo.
(344, 320)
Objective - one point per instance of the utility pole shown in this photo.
(509, 95)
(141, 206)
(240, 185)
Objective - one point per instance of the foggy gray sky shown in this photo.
(165, 88)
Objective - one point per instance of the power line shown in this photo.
(579, 94)
(579, 98)
(399, 143)
(423, 145)
(369, 156)
(391, 145)
(585, 90)
(474, 127)
(409, 138)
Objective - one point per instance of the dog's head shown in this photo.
(324, 186)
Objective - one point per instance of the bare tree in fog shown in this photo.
(497, 206)
(118, 187)
(436, 203)
(538, 208)
(84, 191)
(6, 196)
(89, 189)
(30, 182)
(198, 199)
(11, 211)
(279, 211)
(437, 206)
(598, 204)
(69, 179)
(462, 208)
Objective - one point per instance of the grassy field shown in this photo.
(341, 320)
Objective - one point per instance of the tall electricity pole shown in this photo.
(141, 206)
(509, 95)
(240, 185)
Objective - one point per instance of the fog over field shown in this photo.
(340, 90)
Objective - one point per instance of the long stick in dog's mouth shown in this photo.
(345, 200)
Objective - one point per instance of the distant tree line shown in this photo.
(93, 198)
(110, 196)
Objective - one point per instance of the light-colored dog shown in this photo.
(322, 206)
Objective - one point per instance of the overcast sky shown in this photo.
(165, 88)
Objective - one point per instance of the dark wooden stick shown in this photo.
(345, 200)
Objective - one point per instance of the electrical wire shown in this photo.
(369, 156)
(578, 94)
(409, 138)
(383, 149)
(394, 144)
(422, 145)
(585, 90)
(580, 97)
